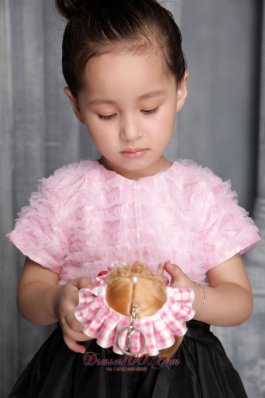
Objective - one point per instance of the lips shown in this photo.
(134, 150)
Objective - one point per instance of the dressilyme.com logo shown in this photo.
(129, 362)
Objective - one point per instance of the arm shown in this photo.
(42, 301)
(37, 293)
(229, 299)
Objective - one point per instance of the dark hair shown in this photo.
(94, 24)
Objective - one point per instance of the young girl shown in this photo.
(126, 80)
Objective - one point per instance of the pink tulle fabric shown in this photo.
(85, 217)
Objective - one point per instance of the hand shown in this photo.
(178, 277)
(66, 301)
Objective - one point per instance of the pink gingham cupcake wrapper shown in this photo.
(104, 323)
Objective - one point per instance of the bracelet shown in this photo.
(204, 298)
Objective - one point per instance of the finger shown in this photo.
(86, 282)
(161, 266)
(75, 327)
(173, 270)
(160, 269)
(73, 345)
(75, 335)
(82, 282)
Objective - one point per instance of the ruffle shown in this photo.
(37, 233)
(160, 329)
(85, 217)
(41, 228)
(227, 229)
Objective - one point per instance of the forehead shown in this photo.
(119, 70)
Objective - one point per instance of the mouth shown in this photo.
(134, 150)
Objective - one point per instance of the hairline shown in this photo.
(127, 46)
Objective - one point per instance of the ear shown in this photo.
(74, 103)
(182, 92)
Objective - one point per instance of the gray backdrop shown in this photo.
(221, 127)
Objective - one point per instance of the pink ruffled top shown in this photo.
(85, 217)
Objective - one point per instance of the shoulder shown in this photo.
(203, 190)
(196, 173)
(73, 170)
(69, 179)
(82, 169)
(197, 181)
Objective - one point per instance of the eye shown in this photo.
(150, 111)
(108, 117)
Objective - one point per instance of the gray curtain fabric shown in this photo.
(221, 127)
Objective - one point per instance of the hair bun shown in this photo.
(70, 8)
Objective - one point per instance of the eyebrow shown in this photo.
(151, 94)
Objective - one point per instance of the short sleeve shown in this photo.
(39, 231)
(226, 227)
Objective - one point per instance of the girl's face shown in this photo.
(129, 105)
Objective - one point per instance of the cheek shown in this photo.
(102, 136)
(162, 128)
(98, 130)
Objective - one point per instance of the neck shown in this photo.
(163, 163)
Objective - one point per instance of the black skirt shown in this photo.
(199, 368)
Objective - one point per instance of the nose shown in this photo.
(130, 130)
